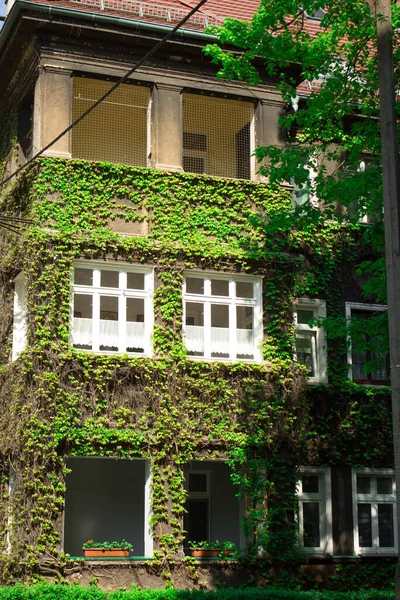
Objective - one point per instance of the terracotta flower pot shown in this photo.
(209, 552)
(105, 553)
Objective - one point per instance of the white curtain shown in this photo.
(245, 342)
(82, 332)
(220, 340)
(109, 333)
(194, 338)
(134, 335)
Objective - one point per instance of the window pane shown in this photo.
(244, 332)
(310, 484)
(385, 525)
(220, 346)
(135, 310)
(363, 485)
(135, 325)
(135, 281)
(82, 306)
(194, 285)
(109, 279)
(244, 290)
(219, 315)
(197, 482)
(83, 276)
(194, 328)
(195, 313)
(304, 316)
(384, 485)
(311, 530)
(219, 287)
(82, 321)
(109, 340)
(305, 351)
(364, 525)
(109, 308)
(359, 359)
(196, 520)
(244, 317)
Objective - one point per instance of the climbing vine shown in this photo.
(57, 402)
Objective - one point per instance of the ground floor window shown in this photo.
(315, 510)
(374, 509)
(107, 500)
(213, 510)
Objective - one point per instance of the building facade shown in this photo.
(165, 378)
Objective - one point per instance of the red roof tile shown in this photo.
(164, 11)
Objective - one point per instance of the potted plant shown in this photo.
(115, 549)
(212, 549)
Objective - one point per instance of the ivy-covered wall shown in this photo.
(57, 402)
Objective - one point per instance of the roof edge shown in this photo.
(94, 17)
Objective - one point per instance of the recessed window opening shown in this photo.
(107, 500)
(112, 309)
(217, 136)
(315, 510)
(116, 130)
(223, 318)
(369, 364)
(25, 126)
(310, 340)
(212, 506)
(374, 495)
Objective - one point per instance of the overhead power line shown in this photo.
(109, 92)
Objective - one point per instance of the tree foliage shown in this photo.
(331, 120)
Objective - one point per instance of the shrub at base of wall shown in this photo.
(75, 592)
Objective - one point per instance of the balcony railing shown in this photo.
(153, 12)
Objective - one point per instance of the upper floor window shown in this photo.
(222, 317)
(374, 508)
(310, 339)
(218, 136)
(115, 131)
(367, 358)
(315, 510)
(112, 308)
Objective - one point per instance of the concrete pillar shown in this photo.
(52, 111)
(167, 127)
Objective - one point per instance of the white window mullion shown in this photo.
(148, 312)
(374, 525)
(232, 321)
(96, 322)
(122, 323)
(207, 329)
(96, 278)
(314, 353)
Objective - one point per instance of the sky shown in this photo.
(2, 11)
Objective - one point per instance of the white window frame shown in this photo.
(207, 299)
(96, 290)
(201, 495)
(324, 499)
(374, 499)
(365, 307)
(318, 307)
(19, 317)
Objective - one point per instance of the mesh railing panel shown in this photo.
(156, 12)
(116, 130)
(216, 136)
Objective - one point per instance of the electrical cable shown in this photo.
(109, 92)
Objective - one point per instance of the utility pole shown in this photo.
(391, 197)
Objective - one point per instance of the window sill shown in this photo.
(110, 559)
